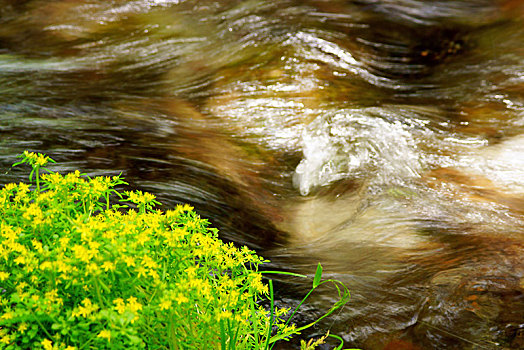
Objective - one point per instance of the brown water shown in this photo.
(382, 138)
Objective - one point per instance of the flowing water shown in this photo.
(382, 138)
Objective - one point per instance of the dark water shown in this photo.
(382, 138)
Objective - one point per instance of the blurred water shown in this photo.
(380, 138)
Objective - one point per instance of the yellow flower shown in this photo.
(85, 310)
(108, 266)
(37, 245)
(245, 314)
(20, 286)
(82, 253)
(33, 212)
(166, 304)
(44, 197)
(109, 234)
(20, 260)
(86, 232)
(22, 327)
(104, 334)
(72, 177)
(224, 314)
(10, 186)
(281, 312)
(54, 178)
(142, 238)
(129, 261)
(4, 275)
(120, 305)
(62, 267)
(196, 283)
(45, 265)
(64, 241)
(181, 299)
(154, 274)
(23, 189)
(141, 271)
(92, 268)
(191, 271)
(133, 304)
(94, 246)
(148, 262)
(289, 329)
(98, 185)
(37, 159)
(148, 197)
(7, 315)
(52, 294)
(47, 344)
(140, 197)
(5, 339)
(256, 283)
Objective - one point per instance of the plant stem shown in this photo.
(37, 168)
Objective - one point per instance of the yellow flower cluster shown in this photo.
(85, 310)
(130, 277)
(132, 305)
(36, 159)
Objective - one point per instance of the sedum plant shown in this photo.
(78, 272)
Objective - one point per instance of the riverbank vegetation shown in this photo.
(78, 271)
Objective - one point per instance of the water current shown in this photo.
(382, 138)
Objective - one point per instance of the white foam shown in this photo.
(358, 143)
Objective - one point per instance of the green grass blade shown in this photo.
(318, 276)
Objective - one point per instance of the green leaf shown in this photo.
(284, 273)
(318, 276)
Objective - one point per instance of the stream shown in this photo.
(381, 138)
